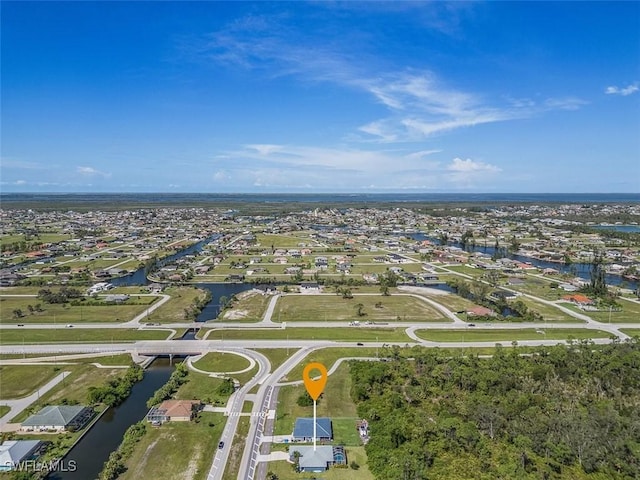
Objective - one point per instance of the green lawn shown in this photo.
(66, 313)
(4, 410)
(346, 334)
(490, 335)
(329, 356)
(176, 450)
(631, 332)
(283, 241)
(222, 362)
(452, 301)
(202, 387)
(71, 335)
(335, 402)
(21, 380)
(333, 307)
(284, 470)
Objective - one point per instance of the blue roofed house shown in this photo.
(303, 430)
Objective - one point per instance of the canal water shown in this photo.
(90, 453)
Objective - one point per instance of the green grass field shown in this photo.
(490, 335)
(73, 335)
(222, 362)
(202, 387)
(176, 450)
(65, 313)
(632, 332)
(333, 307)
(328, 356)
(344, 334)
(276, 356)
(20, 380)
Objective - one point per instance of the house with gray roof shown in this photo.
(12, 452)
(318, 459)
(58, 418)
(303, 430)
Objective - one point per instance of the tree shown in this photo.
(17, 313)
(465, 240)
(598, 284)
(359, 310)
(384, 289)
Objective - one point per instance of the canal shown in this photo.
(90, 453)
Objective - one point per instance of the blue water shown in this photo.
(620, 228)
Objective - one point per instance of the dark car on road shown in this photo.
(221, 445)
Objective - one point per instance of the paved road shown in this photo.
(17, 405)
(219, 461)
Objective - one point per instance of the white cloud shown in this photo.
(566, 103)
(624, 91)
(21, 182)
(92, 172)
(468, 165)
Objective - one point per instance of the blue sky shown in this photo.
(320, 97)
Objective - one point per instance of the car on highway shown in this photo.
(360, 344)
(69, 326)
(221, 445)
(471, 325)
(21, 324)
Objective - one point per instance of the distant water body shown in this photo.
(7, 200)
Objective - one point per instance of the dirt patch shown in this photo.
(192, 468)
(423, 290)
(145, 457)
(246, 294)
(235, 314)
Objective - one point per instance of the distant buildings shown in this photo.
(14, 452)
(174, 411)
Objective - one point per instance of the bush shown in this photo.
(354, 465)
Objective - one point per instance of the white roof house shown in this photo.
(12, 452)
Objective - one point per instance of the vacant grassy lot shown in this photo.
(70, 335)
(490, 335)
(283, 241)
(202, 387)
(66, 313)
(630, 313)
(250, 307)
(335, 402)
(74, 387)
(21, 380)
(329, 356)
(284, 471)
(174, 310)
(334, 307)
(343, 334)
(176, 450)
(453, 302)
(222, 362)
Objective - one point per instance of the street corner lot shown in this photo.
(375, 308)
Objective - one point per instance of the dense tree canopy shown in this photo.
(562, 412)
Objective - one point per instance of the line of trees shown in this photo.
(115, 390)
(178, 377)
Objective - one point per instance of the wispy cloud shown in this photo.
(92, 172)
(624, 91)
(295, 166)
